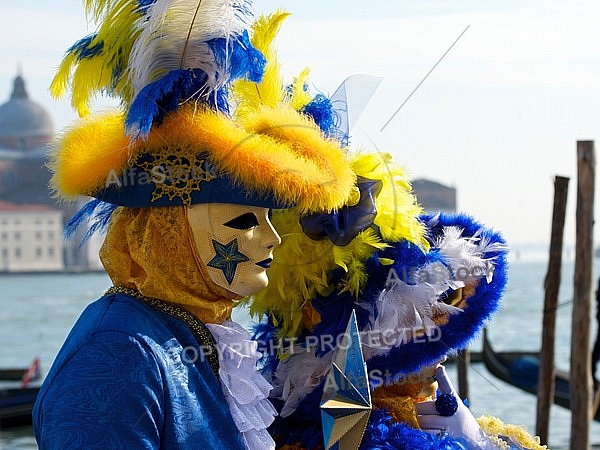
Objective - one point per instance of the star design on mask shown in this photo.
(227, 258)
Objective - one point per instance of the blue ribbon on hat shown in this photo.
(342, 226)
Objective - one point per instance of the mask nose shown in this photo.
(271, 238)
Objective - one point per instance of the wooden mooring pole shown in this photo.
(551, 286)
(581, 375)
(463, 361)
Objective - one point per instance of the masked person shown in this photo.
(419, 286)
(186, 192)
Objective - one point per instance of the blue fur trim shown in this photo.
(96, 213)
(83, 48)
(463, 327)
(383, 433)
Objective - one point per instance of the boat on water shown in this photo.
(521, 369)
(18, 392)
(16, 405)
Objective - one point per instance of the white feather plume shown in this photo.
(297, 376)
(403, 311)
(174, 35)
(467, 254)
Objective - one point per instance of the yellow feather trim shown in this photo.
(301, 266)
(300, 166)
(87, 154)
(494, 427)
(286, 125)
(397, 208)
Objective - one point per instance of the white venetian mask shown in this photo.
(235, 243)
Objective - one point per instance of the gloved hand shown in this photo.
(458, 422)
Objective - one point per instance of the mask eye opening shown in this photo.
(244, 222)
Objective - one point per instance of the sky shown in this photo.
(498, 118)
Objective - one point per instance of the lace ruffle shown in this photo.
(246, 391)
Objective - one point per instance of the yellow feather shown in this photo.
(89, 75)
(397, 207)
(119, 31)
(269, 91)
(284, 124)
(61, 80)
(103, 72)
(494, 428)
(300, 96)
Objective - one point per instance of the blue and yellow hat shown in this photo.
(203, 156)
(174, 141)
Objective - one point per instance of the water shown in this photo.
(38, 311)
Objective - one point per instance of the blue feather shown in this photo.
(321, 111)
(96, 214)
(239, 57)
(83, 48)
(265, 335)
(163, 96)
(383, 433)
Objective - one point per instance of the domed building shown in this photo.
(26, 130)
(24, 125)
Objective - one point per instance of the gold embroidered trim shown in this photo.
(177, 172)
(207, 342)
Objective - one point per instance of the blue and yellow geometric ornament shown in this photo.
(346, 402)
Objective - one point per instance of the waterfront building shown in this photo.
(31, 222)
(434, 196)
(30, 238)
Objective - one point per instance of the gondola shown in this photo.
(18, 392)
(521, 369)
(16, 405)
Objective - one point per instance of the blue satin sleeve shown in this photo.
(106, 396)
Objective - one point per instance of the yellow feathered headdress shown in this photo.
(171, 63)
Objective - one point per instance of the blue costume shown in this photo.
(122, 380)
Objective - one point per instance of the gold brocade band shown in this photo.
(207, 342)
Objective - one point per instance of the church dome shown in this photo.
(22, 120)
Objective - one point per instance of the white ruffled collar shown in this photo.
(246, 391)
